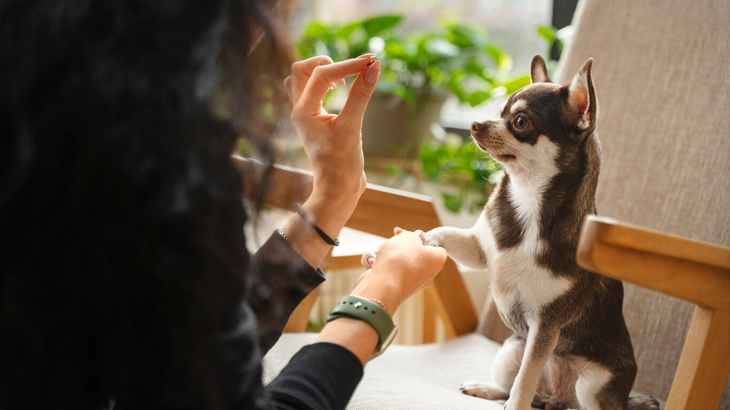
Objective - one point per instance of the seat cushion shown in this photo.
(421, 377)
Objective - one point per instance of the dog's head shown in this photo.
(540, 121)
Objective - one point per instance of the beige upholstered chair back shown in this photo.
(662, 75)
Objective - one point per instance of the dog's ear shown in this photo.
(538, 71)
(581, 102)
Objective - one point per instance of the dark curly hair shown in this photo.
(120, 212)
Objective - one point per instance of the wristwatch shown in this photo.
(370, 312)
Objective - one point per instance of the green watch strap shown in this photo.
(370, 312)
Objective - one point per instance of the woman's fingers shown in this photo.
(360, 93)
(367, 260)
(301, 71)
(439, 253)
(420, 233)
(320, 81)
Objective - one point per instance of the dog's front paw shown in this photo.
(434, 237)
(483, 391)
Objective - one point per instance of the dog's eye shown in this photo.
(520, 122)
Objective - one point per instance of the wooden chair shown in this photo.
(694, 271)
(662, 75)
(379, 210)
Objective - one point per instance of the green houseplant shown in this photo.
(463, 175)
(420, 70)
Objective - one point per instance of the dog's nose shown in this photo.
(477, 126)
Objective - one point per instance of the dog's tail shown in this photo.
(642, 403)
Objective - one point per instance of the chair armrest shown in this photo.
(378, 211)
(695, 271)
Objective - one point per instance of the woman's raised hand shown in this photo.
(333, 143)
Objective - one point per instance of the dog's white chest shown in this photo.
(515, 275)
(516, 278)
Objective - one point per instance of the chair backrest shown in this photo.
(662, 75)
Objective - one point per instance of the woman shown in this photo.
(124, 276)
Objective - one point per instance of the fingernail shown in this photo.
(369, 56)
(372, 73)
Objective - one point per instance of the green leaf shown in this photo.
(466, 36)
(395, 49)
(441, 48)
(315, 30)
(516, 83)
(548, 33)
(500, 58)
(375, 25)
(478, 97)
(346, 31)
(452, 202)
(461, 169)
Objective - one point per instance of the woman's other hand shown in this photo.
(333, 143)
(403, 267)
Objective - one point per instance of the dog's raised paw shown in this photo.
(432, 238)
(483, 391)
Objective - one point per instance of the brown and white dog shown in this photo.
(571, 347)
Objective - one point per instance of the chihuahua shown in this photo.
(571, 347)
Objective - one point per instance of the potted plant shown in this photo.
(463, 175)
(419, 72)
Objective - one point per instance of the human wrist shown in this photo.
(330, 218)
(370, 312)
(329, 212)
(345, 192)
(387, 294)
(353, 334)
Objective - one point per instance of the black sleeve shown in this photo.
(278, 281)
(320, 376)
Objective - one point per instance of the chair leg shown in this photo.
(705, 362)
(429, 316)
(453, 303)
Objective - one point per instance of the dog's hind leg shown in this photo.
(540, 344)
(505, 367)
(592, 382)
(599, 388)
